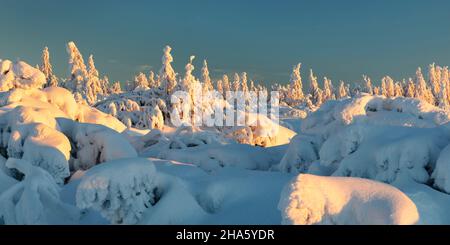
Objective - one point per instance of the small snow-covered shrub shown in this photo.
(144, 109)
(184, 137)
(19, 75)
(312, 199)
(42, 146)
(6, 181)
(121, 190)
(259, 131)
(301, 153)
(94, 143)
(441, 173)
(34, 200)
(87, 114)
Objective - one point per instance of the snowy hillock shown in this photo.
(342, 201)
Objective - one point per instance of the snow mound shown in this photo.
(206, 149)
(312, 199)
(55, 102)
(42, 146)
(19, 75)
(34, 200)
(183, 137)
(122, 190)
(441, 174)
(89, 114)
(301, 153)
(385, 152)
(94, 143)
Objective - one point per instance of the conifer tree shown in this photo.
(328, 89)
(296, 85)
(206, 79)
(368, 85)
(167, 76)
(236, 83)
(116, 88)
(226, 84)
(314, 90)
(342, 93)
(47, 69)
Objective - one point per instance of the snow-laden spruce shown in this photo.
(313, 199)
(121, 190)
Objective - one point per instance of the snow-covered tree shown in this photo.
(226, 84)
(434, 79)
(206, 79)
(388, 87)
(253, 87)
(46, 68)
(410, 88)
(116, 88)
(188, 79)
(296, 85)
(77, 69)
(93, 87)
(328, 89)
(112, 109)
(314, 89)
(219, 86)
(167, 75)
(152, 83)
(342, 93)
(376, 90)
(398, 90)
(244, 84)
(422, 91)
(367, 85)
(236, 82)
(444, 95)
(104, 84)
(384, 91)
(140, 82)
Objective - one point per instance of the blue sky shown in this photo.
(340, 39)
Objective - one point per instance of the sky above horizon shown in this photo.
(338, 39)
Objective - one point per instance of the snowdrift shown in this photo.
(342, 201)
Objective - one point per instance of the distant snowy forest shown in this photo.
(82, 150)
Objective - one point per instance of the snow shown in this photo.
(441, 173)
(121, 190)
(34, 200)
(377, 110)
(313, 199)
(95, 143)
(19, 75)
(88, 153)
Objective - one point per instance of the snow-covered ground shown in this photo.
(69, 157)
